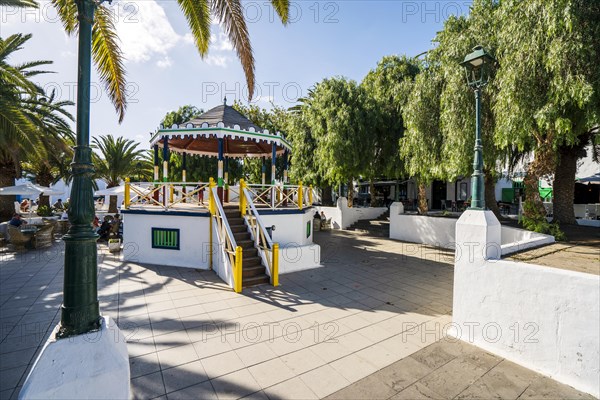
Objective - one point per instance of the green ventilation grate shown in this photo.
(164, 238)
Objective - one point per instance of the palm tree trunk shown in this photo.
(7, 178)
(564, 185)
(112, 205)
(490, 194)
(422, 207)
(350, 192)
(326, 198)
(44, 180)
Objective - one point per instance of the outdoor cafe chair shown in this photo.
(17, 238)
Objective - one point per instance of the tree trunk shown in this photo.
(372, 193)
(326, 198)
(7, 178)
(490, 194)
(350, 193)
(564, 184)
(112, 205)
(44, 180)
(423, 207)
(542, 164)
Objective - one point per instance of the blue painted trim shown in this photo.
(168, 213)
(262, 211)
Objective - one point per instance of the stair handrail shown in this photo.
(226, 237)
(262, 240)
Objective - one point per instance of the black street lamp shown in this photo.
(478, 67)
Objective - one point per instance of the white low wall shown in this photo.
(194, 249)
(342, 216)
(294, 233)
(543, 318)
(440, 232)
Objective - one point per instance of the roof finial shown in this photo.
(225, 100)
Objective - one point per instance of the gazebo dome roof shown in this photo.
(229, 116)
(240, 136)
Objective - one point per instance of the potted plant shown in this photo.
(114, 245)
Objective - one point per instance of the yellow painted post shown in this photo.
(237, 272)
(171, 191)
(211, 209)
(211, 200)
(242, 197)
(275, 272)
(127, 193)
(300, 195)
(310, 196)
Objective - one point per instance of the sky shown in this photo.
(164, 70)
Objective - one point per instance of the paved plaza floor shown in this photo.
(374, 303)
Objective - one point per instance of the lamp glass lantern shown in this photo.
(478, 67)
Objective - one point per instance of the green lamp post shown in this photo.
(478, 66)
(80, 312)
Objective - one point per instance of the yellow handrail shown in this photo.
(127, 193)
(300, 196)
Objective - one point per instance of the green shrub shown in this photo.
(44, 211)
(543, 226)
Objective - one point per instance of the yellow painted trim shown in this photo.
(237, 271)
(310, 195)
(127, 193)
(275, 272)
(300, 196)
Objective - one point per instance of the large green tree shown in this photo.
(181, 115)
(32, 124)
(339, 121)
(389, 86)
(548, 91)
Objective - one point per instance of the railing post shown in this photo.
(242, 197)
(211, 200)
(275, 263)
(237, 273)
(171, 190)
(310, 195)
(273, 194)
(300, 195)
(127, 193)
(210, 224)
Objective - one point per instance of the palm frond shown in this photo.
(109, 59)
(19, 3)
(197, 13)
(282, 8)
(230, 14)
(67, 12)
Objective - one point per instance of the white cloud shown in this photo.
(218, 60)
(145, 31)
(164, 62)
(220, 41)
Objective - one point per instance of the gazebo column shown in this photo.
(184, 174)
(165, 168)
(220, 171)
(273, 188)
(285, 176)
(263, 171)
(155, 194)
(226, 179)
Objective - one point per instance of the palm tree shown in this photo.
(108, 57)
(117, 160)
(32, 125)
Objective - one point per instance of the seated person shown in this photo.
(317, 215)
(96, 223)
(104, 230)
(16, 220)
(24, 205)
(58, 205)
(323, 217)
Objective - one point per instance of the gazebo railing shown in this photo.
(164, 194)
(169, 195)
